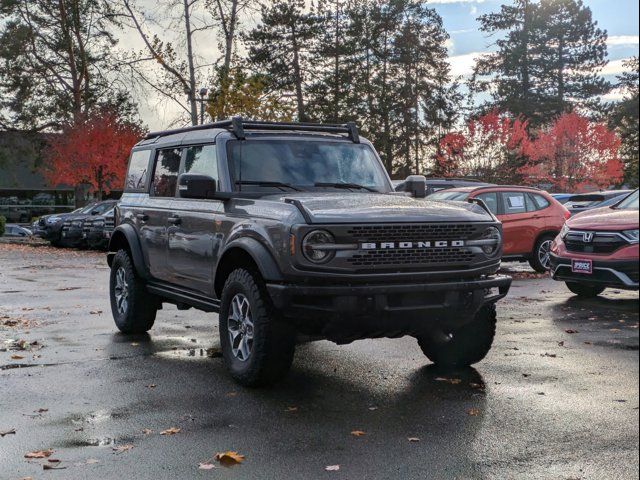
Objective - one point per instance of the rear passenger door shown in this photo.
(156, 217)
(518, 229)
(195, 237)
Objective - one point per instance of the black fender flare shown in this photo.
(133, 242)
(261, 256)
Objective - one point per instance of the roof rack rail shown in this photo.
(238, 125)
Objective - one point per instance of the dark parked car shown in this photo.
(12, 230)
(589, 201)
(437, 184)
(72, 234)
(97, 230)
(294, 229)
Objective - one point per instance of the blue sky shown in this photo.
(618, 17)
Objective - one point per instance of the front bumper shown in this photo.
(609, 273)
(72, 235)
(347, 312)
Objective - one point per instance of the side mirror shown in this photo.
(191, 185)
(95, 212)
(416, 185)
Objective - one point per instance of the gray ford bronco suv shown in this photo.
(292, 231)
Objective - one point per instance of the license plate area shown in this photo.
(582, 266)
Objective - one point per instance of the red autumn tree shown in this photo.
(574, 154)
(92, 150)
(491, 147)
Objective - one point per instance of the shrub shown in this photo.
(3, 221)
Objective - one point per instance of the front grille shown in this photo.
(411, 256)
(411, 233)
(86, 226)
(602, 242)
(109, 224)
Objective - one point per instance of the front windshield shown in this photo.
(449, 195)
(304, 165)
(629, 203)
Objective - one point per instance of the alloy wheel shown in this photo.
(543, 253)
(240, 327)
(121, 291)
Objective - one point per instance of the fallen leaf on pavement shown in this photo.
(358, 433)
(413, 439)
(229, 459)
(16, 357)
(41, 410)
(122, 448)
(147, 431)
(373, 408)
(46, 466)
(153, 385)
(95, 312)
(332, 468)
(571, 331)
(291, 409)
(206, 466)
(474, 412)
(11, 431)
(39, 454)
(170, 431)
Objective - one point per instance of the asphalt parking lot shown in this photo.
(556, 398)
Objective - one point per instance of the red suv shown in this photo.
(599, 249)
(531, 218)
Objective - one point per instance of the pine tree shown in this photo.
(571, 52)
(509, 71)
(547, 63)
(54, 62)
(279, 47)
(625, 119)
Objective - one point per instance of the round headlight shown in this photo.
(491, 248)
(313, 243)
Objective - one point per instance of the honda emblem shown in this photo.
(587, 237)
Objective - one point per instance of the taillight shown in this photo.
(567, 214)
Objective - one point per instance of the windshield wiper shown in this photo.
(351, 186)
(260, 183)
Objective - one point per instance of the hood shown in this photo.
(382, 208)
(605, 218)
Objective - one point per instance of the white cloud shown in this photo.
(462, 65)
(614, 95)
(615, 40)
(615, 67)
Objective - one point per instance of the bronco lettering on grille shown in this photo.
(394, 245)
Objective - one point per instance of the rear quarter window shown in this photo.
(138, 172)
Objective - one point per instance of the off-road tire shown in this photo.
(141, 308)
(273, 343)
(468, 344)
(534, 260)
(584, 290)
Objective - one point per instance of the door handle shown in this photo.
(174, 220)
(143, 217)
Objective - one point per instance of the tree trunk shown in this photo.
(193, 105)
(297, 75)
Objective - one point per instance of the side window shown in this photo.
(514, 202)
(138, 172)
(538, 201)
(165, 175)
(491, 200)
(203, 160)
